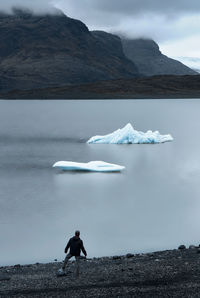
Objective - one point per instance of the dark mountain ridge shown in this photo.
(150, 61)
(40, 52)
(55, 50)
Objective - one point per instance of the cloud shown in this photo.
(160, 20)
(127, 8)
(175, 25)
(36, 6)
(159, 27)
(169, 22)
(111, 7)
(184, 47)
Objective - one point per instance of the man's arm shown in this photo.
(68, 246)
(83, 249)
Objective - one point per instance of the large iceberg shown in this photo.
(94, 166)
(128, 135)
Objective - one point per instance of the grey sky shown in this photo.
(125, 7)
(130, 7)
(174, 24)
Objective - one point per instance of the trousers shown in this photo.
(68, 257)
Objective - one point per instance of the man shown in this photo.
(75, 245)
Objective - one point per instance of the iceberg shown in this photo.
(128, 135)
(93, 166)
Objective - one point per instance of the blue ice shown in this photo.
(128, 135)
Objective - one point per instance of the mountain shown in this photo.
(55, 50)
(146, 55)
(50, 51)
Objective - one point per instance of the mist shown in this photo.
(159, 20)
(36, 6)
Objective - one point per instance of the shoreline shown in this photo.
(170, 273)
(181, 97)
(155, 87)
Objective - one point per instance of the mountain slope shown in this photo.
(150, 61)
(192, 62)
(54, 50)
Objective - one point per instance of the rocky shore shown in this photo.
(174, 273)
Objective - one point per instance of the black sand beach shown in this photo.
(174, 273)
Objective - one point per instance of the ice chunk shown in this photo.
(95, 166)
(128, 135)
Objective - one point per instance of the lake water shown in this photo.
(153, 205)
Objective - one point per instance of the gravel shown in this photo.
(172, 273)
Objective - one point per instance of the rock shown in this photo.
(129, 256)
(192, 247)
(60, 273)
(151, 255)
(55, 260)
(4, 277)
(181, 247)
(116, 257)
(198, 250)
(17, 266)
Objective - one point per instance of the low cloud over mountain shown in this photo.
(36, 6)
(175, 25)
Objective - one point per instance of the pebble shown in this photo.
(169, 276)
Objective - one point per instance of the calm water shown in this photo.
(154, 204)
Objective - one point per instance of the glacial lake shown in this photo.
(153, 205)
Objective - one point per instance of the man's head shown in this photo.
(77, 233)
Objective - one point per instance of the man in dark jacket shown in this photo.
(75, 245)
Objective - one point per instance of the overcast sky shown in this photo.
(174, 24)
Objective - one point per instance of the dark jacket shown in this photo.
(76, 245)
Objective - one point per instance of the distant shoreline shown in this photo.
(100, 98)
(172, 273)
(156, 87)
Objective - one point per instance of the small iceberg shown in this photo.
(93, 166)
(128, 135)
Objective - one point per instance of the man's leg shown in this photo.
(77, 266)
(69, 256)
